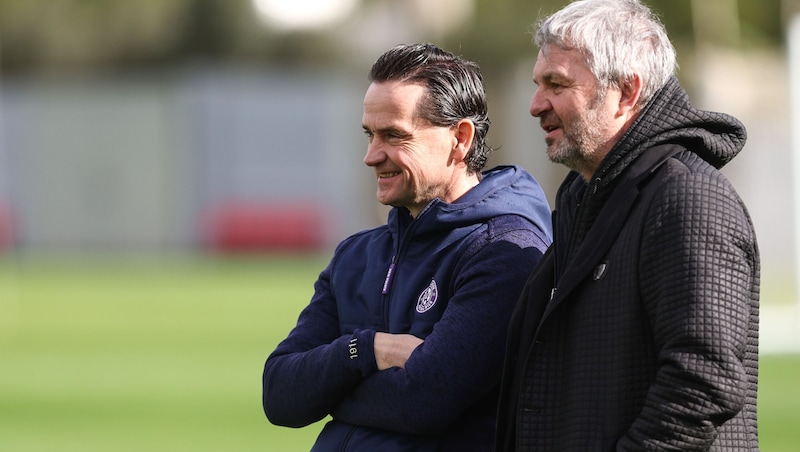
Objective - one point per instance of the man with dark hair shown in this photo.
(402, 341)
(638, 330)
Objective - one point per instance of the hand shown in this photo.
(393, 350)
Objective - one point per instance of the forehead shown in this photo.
(556, 62)
(391, 100)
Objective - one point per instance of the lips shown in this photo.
(550, 127)
(388, 175)
(551, 132)
(549, 124)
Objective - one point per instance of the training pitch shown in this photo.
(101, 354)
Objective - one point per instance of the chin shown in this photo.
(386, 201)
(554, 155)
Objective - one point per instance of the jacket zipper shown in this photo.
(391, 272)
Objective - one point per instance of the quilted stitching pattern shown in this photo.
(659, 351)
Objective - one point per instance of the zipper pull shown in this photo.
(387, 283)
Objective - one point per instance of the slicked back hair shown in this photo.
(454, 90)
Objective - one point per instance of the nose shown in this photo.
(538, 104)
(374, 155)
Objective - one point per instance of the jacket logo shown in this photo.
(428, 297)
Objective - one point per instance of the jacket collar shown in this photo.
(669, 117)
(610, 221)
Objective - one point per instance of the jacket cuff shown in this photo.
(361, 352)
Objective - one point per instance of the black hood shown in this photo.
(669, 118)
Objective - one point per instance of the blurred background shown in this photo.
(197, 129)
(175, 126)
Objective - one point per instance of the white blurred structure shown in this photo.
(303, 14)
(783, 323)
(794, 90)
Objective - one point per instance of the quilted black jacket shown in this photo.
(638, 330)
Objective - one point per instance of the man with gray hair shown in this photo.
(638, 329)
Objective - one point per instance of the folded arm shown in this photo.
(315, 367)
(460, 361)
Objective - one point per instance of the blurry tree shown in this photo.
(41, 35)
(85, 35)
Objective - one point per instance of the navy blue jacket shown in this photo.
(450, 276)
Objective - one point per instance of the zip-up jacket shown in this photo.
(450, 276)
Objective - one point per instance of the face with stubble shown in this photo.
(579, 121)
(413, 160)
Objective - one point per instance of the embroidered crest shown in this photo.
(428, 297)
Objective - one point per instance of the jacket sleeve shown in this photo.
(461, 360)
(699, 268)
(315, 366)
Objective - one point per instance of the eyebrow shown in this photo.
(549, 77)
(387, 130)
(555, 77)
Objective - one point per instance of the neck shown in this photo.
(454, 191)
(461, 187)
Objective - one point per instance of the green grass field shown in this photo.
(102, 354)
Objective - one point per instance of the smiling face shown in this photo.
(414, 161)
(580, 123)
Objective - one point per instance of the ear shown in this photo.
(629, 95)
(464, 133)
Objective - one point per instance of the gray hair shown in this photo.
(618, 38)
